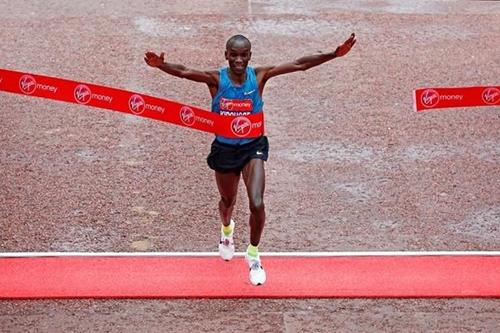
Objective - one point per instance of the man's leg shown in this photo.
(228, 189)
(254, 178)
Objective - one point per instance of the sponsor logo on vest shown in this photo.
(241, 126)
(430, 98)
(28, 85)
(187, 115)
(235, 113)
(226, 104)
(137, 105)
(491, 95)
(83, 95)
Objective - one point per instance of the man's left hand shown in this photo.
(346, 47)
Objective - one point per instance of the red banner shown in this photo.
(250, 126)
(437, 98)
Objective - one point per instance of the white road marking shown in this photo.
(241, 254)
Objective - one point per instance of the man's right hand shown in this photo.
(153, 60)
(211, 78)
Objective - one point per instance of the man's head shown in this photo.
(238, 53)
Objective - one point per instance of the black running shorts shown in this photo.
(232, 158)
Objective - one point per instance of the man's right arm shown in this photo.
(211, 78)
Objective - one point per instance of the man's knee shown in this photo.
(257, 204)
(228, 201)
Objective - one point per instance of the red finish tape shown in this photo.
(130, 102)
(437, 98)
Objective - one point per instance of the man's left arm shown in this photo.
(304, 63)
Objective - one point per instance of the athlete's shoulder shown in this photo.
(252, 70)
(261, 73)
(262, 69)
(215, 75)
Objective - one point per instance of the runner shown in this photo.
(237, 90)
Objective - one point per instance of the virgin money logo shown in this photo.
(136, 104)
(430, 98)
(491, 95)
(235, 104)
(27, 84)
(241, 126)
(225, 104)
(187, 116)
(82, 94)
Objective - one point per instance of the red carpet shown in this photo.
(202, 277)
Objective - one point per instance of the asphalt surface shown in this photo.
(352, 167)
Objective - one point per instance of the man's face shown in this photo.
(238, 55)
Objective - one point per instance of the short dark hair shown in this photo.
(237, 38)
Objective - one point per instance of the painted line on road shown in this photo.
(240, 254)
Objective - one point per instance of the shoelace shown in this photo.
(225, 241)
(255, 265)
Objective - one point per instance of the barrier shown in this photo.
(108, 98)
(436, 98)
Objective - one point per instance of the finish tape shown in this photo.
(436, 98)
(108, 98)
